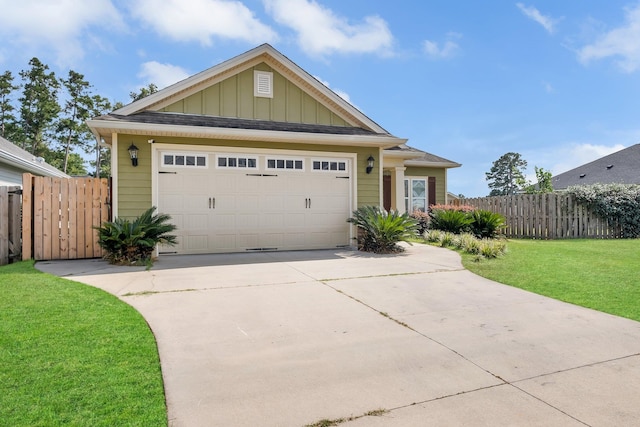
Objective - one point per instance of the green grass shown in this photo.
(600, 274)
(74, 355)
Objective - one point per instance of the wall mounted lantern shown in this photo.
(370, 162)
(133, 153)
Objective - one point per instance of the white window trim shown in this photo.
(325, 159)
(236, 156)
(185, 154)
(263, 84)
(408, 196)
(285, 158)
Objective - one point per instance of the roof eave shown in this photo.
(106, 128)
(30, 166)
(448, 165)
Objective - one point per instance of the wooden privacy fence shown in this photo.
(546, 216)
(58, 216)
(10, 209)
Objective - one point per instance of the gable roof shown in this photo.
(15, 156)
(416, 157)
(621, 167)
(138, 117)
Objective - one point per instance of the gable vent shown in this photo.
(263, 84)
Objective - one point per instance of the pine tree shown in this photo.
(7, 118)
(506, 174)
(71, 129)
(38, 106)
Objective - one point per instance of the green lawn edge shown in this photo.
(599, 274)
(74, 355)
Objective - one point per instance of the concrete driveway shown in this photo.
(292, 338)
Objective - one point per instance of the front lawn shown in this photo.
(74, 355)
(599, 274)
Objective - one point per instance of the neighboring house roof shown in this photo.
(142, 117)
(416, 157)
(12, 155)
(622, 167)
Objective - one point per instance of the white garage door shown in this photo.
(236, 202)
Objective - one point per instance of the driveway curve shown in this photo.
(293, 338)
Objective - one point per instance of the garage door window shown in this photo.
(236, 162)
(329, 166)
(184, 160)
(285, 164)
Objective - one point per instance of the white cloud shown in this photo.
(61, 26)
(448, 49)
(202, 20)
(622, 42)
(576, 154)
(320, 31)
(162, 75)
(534, 14)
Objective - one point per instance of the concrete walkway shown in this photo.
(292, 338)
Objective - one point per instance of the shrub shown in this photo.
(468, 243)
(422, 218)
(461, 208)
(453, 221)
(132, 242)
(617, 203)
(380, 231)
(433, 236)
(492, 248)
(486, 224)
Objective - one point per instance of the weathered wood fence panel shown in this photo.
(59, 215)
(10, 207)
(546, 216)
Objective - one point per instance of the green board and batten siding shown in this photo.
(134, 189)
(439, 173)
(234, 97)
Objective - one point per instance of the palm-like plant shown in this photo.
(132, 242)
(453, 221)
(486, 224)
(380, 231)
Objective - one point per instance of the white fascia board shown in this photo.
(383, 141)
(30, 166)
(432, 164)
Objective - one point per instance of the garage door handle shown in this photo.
(212, 202)
(209, 202)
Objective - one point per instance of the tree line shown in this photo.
(46, 115)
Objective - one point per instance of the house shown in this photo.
(621, 167)
(14, 161)
(256, 154)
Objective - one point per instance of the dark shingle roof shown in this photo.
(179, 119)
(621, 167)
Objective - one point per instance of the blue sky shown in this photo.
(556, 81)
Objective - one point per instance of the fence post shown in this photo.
(27, 216)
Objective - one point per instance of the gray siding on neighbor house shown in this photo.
(10, 175)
